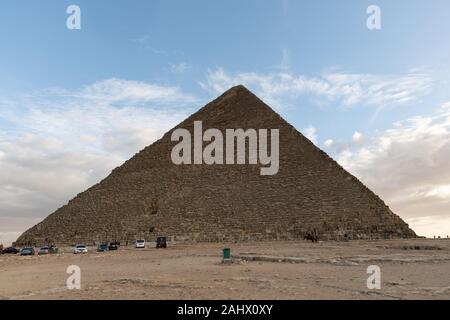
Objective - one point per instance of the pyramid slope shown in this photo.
(149, 196)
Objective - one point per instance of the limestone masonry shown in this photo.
(150, 196)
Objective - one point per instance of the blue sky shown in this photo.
(347, 88)
(139, 40)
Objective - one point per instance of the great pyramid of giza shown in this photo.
(149, 195)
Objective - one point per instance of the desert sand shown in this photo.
(410, 269)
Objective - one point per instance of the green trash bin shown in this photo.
(226, 254)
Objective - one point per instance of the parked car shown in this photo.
(102, 248)
(80, 248)
(43, 251)
(140, 243)
(10, 250)
(161, 242)
(28, 251)
(113, 246)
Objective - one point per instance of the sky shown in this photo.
(74, 104)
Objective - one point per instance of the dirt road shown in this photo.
(280, 270)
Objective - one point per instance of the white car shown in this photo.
(80, 248)
(140, 243)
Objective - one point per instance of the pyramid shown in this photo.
(150, 196)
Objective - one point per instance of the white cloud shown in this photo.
(346, 89)
(442, 192)
(311, 133)
(328, 143)
(58, 143)
(357, 136)
(407, 166)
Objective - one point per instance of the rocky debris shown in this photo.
(344, 261)
(149, 196)
(421, 247)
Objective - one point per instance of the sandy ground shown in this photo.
(292, 270)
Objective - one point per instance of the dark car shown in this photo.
(27, 251)
(10, 250)
(102, 248)
(113, 246)
(161, 242)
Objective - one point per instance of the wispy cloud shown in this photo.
(133, 92)
(142, 40)
(339, 88)
(285, 64)
(179, 68)
(57, 142)
(407, 165)
(145, 42)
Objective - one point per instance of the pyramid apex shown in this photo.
(237, 88)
